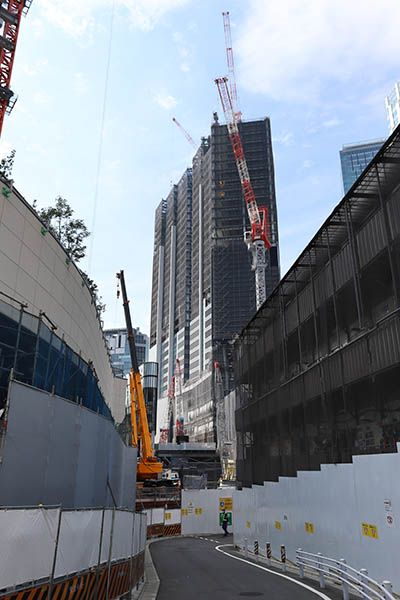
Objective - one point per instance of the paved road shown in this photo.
(193, 568)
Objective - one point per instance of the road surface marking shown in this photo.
(304, 585)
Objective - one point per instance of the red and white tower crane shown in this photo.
(11, 12)
(257, 238)
(185, 133)
(231, 65)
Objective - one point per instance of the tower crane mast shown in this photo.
(11, 12)
(257, 239)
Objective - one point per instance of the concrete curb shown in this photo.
(149, 590)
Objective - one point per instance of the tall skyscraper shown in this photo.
(354, 158)
(392, 103)
(203, 287)
(117, 340)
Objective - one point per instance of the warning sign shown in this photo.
(309, 527)
(369, 530)
(278, 525)
(225, 503)
(228, 514)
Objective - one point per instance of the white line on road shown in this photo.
(304, 585)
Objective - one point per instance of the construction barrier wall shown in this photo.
(46, 546)
(349, 511)
(163, 521)
(201, 509)
(63, 453)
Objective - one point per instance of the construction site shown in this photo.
(268, 407)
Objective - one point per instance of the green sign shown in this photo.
(221, 516)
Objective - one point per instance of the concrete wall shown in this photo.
(56, 451)
(33, 269)
(342, 502)
(200, 510)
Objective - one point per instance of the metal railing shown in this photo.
(350, 578)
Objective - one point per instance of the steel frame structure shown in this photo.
(8, 43)
(324, 349)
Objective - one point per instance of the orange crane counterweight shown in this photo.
(148, 466)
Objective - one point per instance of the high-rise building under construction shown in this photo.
(203, 289)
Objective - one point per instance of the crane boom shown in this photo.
(258, 240)
(231, 64)
(148, 467)
(185, 133)
(11, 15)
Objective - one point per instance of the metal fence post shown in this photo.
(53, 568)
(363, 580)
(283, 558)
(321, 573)
(345, 586)
(301, 566)
(268, 553)
(131, 559)
(245, 548)
(388, 586)
(99, 555)
(110, 554)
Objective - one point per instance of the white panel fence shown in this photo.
(349, 511)
(48, 543)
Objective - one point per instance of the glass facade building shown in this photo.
(117, 340)
(392, 103)
(30, 347)
(203, 289)
(317, 369)
(354, 159)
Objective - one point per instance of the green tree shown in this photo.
(7, 164)
(70, 232)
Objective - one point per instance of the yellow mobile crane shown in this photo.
(148, 467)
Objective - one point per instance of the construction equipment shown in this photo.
(148, 468)
(167, 432)
(231, 65)
(257, 238)
(185, 133)
(11, 12)
(175, 407)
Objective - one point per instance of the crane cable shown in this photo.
(100, 148)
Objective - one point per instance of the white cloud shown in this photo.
(165, 101)
(77, 17)
(185, 67)
(331, 123)
(286, 139)
(41, 98)
(290, 50)
(307, 164)
(80, 83)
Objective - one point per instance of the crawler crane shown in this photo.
(148, 467)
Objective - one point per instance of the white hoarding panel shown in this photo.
(78, 547)
(27, 543)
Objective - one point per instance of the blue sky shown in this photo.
(319, 69)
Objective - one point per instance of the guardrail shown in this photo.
(349, 577)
